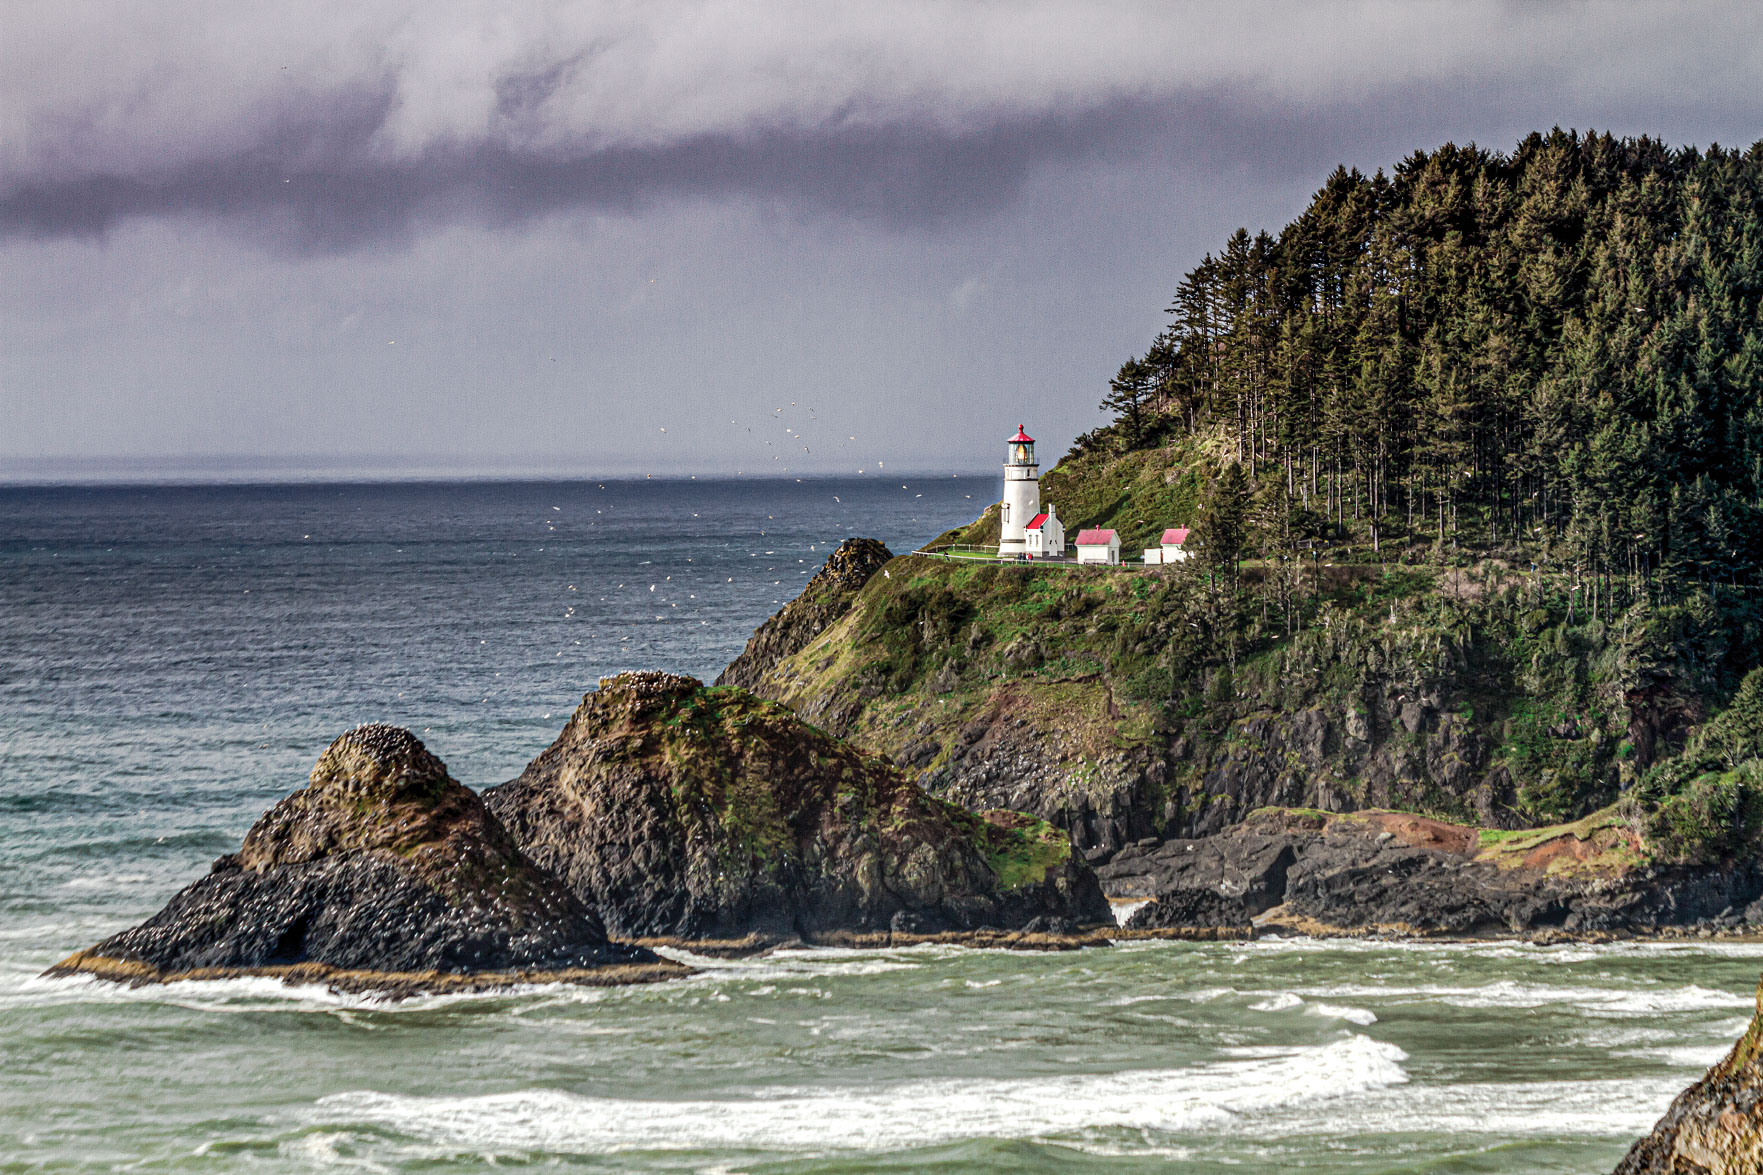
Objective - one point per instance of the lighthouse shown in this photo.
(1022, 494)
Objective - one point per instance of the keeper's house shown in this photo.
(1098, 546)
(1044, 536)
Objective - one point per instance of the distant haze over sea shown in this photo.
(255, 470)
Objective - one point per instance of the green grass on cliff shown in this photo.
(1025, 851)
(1602, 843)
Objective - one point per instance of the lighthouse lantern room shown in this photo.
(1022, 495)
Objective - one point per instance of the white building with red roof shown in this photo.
(1172, 548)
(1098, 546)
(1044, 536)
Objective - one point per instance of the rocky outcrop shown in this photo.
(824, 598)
(382, 873)
(1393, 872)
(679, 811)
(1715, 1127)
(1014, 752)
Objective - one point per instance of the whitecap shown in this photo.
(1207, 1096)
(1360, 1016)
(1507, 993)
(1617, 1109)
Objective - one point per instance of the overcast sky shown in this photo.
(388, 237)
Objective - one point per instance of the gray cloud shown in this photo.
(345, 124)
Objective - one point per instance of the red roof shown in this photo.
(1175, 536)
(1035, 522)
(1094, 538)
(1021, 437)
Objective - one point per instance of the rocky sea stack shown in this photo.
(383, 874)
(685, 812)
(1715, 1127)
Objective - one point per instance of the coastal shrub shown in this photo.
(1713, 816)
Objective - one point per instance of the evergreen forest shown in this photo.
(1555, 355)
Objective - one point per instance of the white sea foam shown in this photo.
(266, 993)
(1207, 1096)
(1125, 910)
(1688, 1056)
(1492, 949)
(1508, 993)
(1278, 1003)
(1285, 1001)
(1360, 1016)
(1615, 1109)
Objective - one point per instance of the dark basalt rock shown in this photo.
(381, 871)
(1715, 1127)
(823, 599)
(1392, 872)
(678, 811)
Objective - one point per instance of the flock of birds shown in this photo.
(793, 437)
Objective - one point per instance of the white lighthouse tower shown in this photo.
(1022, 494)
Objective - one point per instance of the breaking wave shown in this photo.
(1201, 1096)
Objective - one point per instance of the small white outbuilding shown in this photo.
(1044, 536)
(1172, 548)
(1098, 546)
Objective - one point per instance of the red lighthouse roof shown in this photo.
(1021, 437)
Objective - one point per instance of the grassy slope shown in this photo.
(1047, 637)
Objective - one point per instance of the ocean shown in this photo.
(173, 660)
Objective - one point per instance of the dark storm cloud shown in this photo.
(324, 190)
(894, 175)
(365, 121)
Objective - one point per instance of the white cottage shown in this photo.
(1045, 535)
(1098, 546)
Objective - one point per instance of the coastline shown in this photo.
(394, 985)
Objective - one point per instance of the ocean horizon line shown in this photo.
(12, 480)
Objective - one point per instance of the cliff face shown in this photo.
(382, 871)
(1715, 1127)
(681, 811)
(824, 598)
(1393, 872)
(1124, 704)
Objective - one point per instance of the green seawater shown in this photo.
(1265, 1057)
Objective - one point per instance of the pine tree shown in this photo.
(1223, 529)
